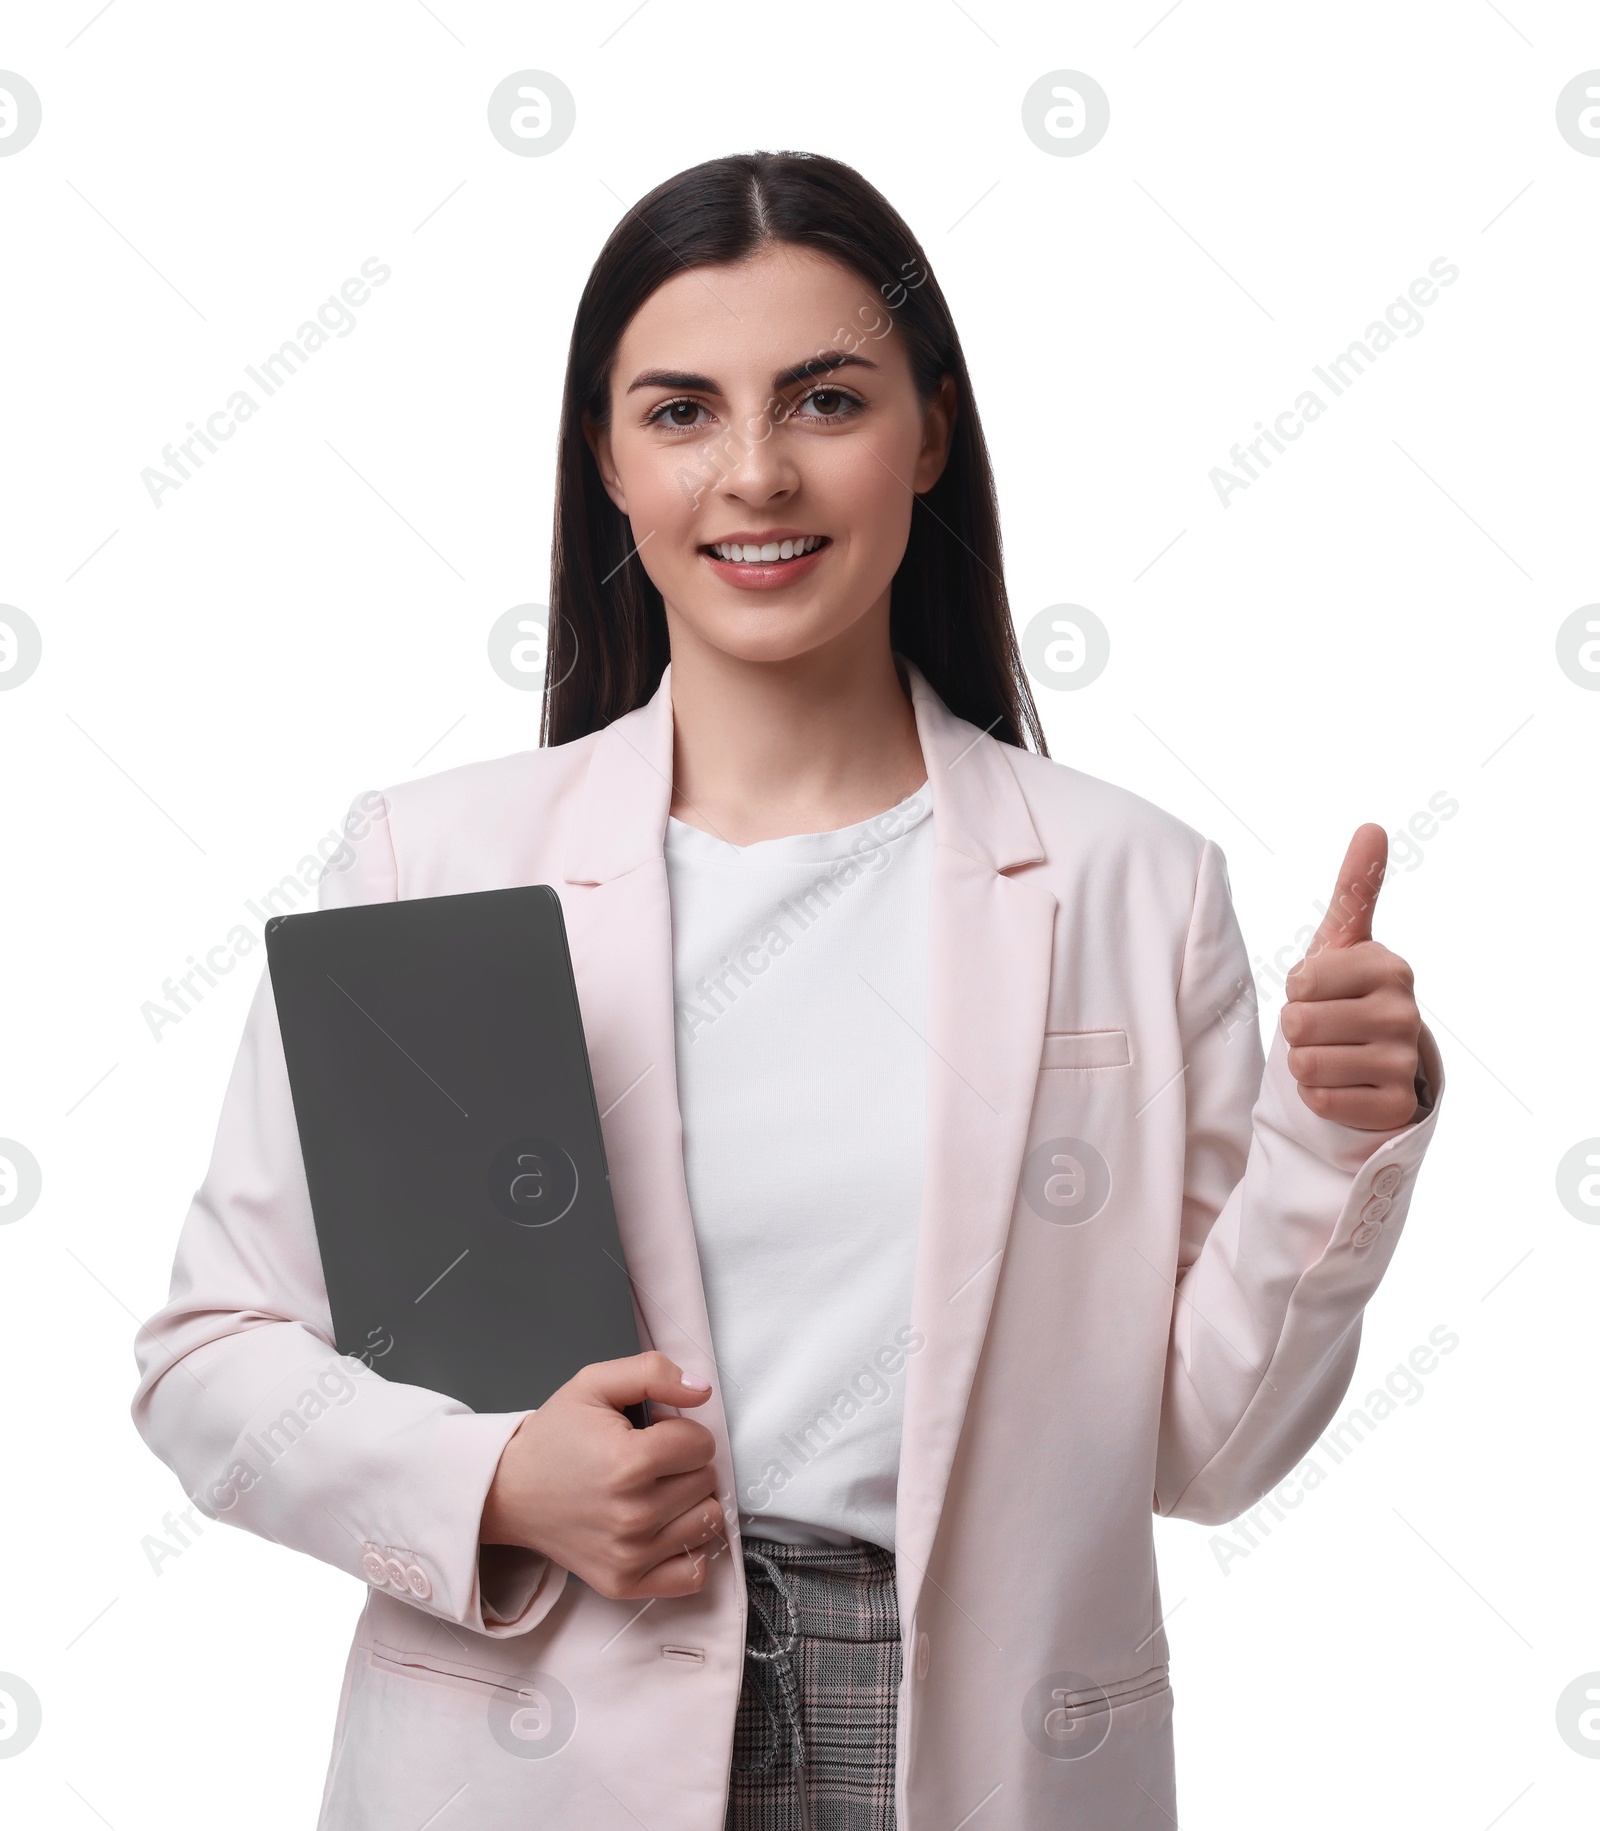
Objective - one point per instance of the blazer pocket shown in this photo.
(1075, 1720)
(441, 1671)
(1085, 1049)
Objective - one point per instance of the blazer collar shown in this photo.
(978, 806)
(620, 815)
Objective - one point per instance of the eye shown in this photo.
(679, 414)
(830, 404)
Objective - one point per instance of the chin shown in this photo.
(765, 631)
(785, 642)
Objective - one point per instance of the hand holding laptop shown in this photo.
(626, 1510)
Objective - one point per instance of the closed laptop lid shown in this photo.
(452, 1147)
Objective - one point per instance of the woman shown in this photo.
(963, 1214)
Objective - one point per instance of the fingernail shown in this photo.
(695, 1383)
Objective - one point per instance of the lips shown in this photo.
(765, 574)
(766, 548)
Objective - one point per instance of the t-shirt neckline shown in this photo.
(686, 841)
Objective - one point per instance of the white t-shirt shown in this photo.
(800, 971)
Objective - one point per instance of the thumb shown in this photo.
(639, 1376)
(1349, 917)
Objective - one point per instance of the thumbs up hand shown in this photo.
(1351, 1021)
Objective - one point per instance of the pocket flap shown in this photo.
(1085, 1049)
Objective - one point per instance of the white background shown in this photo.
(1372, 622)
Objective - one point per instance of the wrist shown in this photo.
(498, 1523)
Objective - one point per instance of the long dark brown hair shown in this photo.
(948, 608)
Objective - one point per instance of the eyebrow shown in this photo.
(820, 364)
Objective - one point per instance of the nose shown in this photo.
(762, 466)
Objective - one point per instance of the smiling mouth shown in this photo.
(766, 553)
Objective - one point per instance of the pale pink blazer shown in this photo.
(1166, 1319)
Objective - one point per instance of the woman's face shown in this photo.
(765, 443)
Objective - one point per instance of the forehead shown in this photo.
(757, 316)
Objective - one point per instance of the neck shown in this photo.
(763, 749)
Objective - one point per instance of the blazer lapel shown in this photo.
(989, 955)
(619, 927)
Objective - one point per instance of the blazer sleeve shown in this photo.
(243, 1394)
(1289, 1220)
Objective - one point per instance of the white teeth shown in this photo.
(767, 552)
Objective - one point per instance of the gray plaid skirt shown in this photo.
(813, 1741)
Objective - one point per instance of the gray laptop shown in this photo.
(452, 1147)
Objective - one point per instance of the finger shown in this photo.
(1347, 972)
(679, 1494)
(636, 1377)
(675, 1561)
(671, 1446)
(643, 1533)
(1354, 1065)
(1349, 916)
(1367, 1109)
(1378, 1017)
(698, 1526)
(682, 1574)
